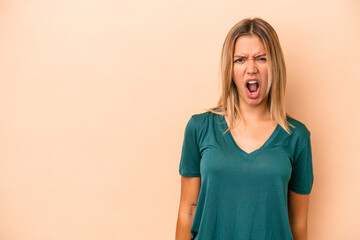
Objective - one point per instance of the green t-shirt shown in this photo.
(243, 196)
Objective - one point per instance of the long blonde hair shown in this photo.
(228, 103)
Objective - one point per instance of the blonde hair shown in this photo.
(228, 103)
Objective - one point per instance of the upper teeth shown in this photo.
(252, 81)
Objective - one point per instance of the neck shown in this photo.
(254, 113)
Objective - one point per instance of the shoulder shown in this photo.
(299, 130)
(199, 118)
(298, 127)
(203, 116)
(200, 122)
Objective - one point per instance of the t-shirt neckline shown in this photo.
(241, 151)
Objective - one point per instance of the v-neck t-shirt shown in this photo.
(243, 196)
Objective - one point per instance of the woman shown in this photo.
(246, 165)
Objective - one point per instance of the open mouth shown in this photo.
(253, 86)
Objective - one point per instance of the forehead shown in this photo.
(249, 45)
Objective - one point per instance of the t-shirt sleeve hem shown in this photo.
(300, 191)
(187, 174)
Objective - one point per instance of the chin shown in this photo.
(255, 102)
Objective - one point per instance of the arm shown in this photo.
(298, 213)
(190, 187)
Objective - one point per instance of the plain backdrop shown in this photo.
(95, 96)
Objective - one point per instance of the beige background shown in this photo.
(95, 96)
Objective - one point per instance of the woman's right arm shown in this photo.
(190, 188)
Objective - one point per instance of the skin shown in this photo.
(257, 126)
(250, 62)
(250, 134)
(190, 188)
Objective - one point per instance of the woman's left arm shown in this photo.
(298, 213)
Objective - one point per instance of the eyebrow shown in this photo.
(260, 55)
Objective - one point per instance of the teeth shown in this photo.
(252, 81)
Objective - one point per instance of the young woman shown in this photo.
(246, 165)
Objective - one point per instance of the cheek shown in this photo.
(264, 72)
(238, 75)
(265, 77)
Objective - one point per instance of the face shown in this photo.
(250, 70)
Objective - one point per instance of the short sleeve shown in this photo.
(190, 155)
(302, 176)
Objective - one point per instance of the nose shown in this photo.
(251, 66)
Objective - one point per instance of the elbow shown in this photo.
(298, 225)
(298, 222)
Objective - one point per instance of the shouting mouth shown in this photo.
(252, 87)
